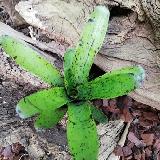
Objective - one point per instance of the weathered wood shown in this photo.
(9, 7)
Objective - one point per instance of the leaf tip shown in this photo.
(140, 76)
(2, 39)
(19, 112)
(103, 9)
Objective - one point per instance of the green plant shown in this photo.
(74, 89)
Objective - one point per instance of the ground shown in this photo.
(143, 138)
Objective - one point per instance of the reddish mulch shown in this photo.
(143, 140)
(14, 151)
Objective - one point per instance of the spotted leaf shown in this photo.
(68, 57)
(113, 84)
(46, 104)
(98, 115)
(48, 118)
(89, 44)
(30, 60)
(81, 132)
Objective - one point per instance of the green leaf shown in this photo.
(30, 60)
(68, 57)
(46, 104)
(48, 119)
(89, 44)
(98, 115)
(113, 84)
(81, 132)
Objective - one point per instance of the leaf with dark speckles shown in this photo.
(68, 57)
(48, 119)
(113, 84)
(44, 103)
(81, 132)
(30, 60)
(98, 115)
(90, 41)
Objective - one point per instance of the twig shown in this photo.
(121, 142)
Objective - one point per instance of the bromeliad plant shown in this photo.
(73, 92)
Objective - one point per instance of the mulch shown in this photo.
(14, 151)
(143, 139)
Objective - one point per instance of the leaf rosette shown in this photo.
(72, 92)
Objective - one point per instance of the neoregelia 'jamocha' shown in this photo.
(73, 92)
